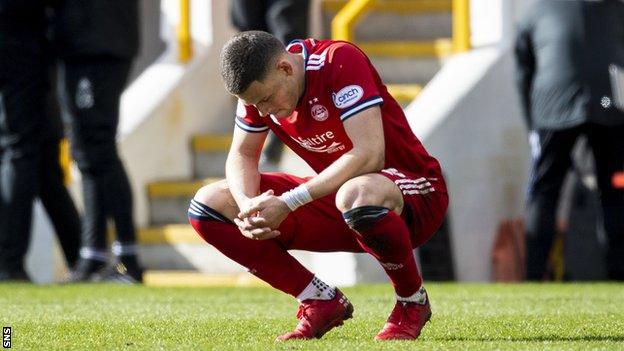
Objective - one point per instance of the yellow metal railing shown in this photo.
(342, 25)
(65, 160)
(344, 22)
(461, 25)
(185, 49)
(396, 6)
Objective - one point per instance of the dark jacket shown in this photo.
(563, 52)
(97, 28)
(22, 25)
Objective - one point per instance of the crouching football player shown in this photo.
(377, 189)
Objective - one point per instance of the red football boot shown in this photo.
(317, 317)
(406, 321)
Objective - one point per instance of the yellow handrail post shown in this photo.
(65, 160)
(344, 21)
(185, 49)
(461, 25)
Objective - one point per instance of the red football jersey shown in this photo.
(340, 81)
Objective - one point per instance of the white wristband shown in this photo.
(296, 197)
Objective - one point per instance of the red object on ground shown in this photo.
(618, 180)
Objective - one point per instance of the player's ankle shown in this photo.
(419, 297)
(317, 290)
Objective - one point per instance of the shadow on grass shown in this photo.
(532, 338)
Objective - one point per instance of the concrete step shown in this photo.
(169, 200)
(437, 48)
(407, 27)
(182, 278)
(179, 247)
(395, 6)
(397, 20)
(407, 70)
(168, 235)
(408, 62)
(209, 154)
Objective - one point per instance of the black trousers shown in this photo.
(22, 96)
(53, 193)
(58, 203)
(90, 88)
(552, 160)
(287, 20)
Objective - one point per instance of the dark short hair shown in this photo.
(247, 57)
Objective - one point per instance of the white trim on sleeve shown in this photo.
(366, 104)
(249, 128)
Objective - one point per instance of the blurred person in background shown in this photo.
(287, 20)
(97, 41)
(22, 111)
(33, 120)
(564, 50)
(53, 194)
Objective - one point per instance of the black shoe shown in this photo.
(120, 273)
(85, 270)
(14, 276)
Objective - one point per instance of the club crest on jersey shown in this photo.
(319, 112)
(347, 96)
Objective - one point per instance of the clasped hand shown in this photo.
(260, 217)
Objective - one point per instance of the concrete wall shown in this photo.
(152, 45)
(469, 118)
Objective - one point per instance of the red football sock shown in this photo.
(266, 259)
(388, 240)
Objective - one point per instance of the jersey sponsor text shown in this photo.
(348, 96)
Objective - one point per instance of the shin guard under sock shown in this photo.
(384, 235)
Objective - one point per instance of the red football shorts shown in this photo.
(319, 226)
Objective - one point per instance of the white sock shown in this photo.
(317, 290)
(420, 297)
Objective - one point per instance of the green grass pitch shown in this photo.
(465, 317)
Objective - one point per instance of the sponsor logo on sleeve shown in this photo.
(348, 96)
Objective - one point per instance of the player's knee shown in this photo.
(357, 192)
(215, 197)
(369, 190)
(362, 203)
